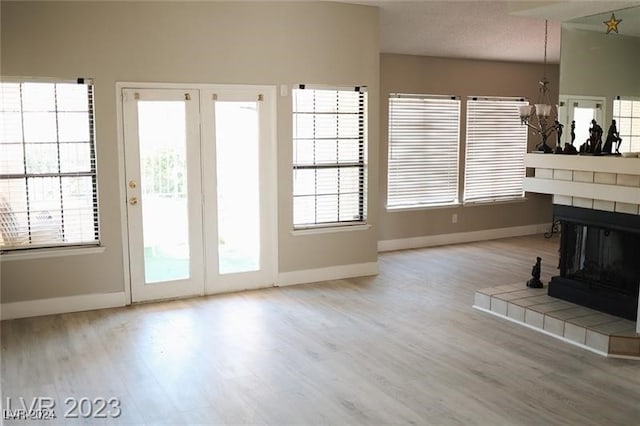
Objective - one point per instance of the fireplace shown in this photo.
(599, 260)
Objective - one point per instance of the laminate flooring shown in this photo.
(402, 347)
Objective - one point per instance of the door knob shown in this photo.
(132, 184)
(133, 201)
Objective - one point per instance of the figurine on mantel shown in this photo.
(593, 144)
(573, 131)
(596, 137)
(612, 136)
(535, 282)
(559, 128)
(568, 147)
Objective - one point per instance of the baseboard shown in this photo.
(461, 237)
(60, 305)
(325, 274)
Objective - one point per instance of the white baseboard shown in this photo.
(60, 305)
(461, 237)
(325, 274)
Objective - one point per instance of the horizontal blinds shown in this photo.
(496, 144)
(329, 151)
(48, 190)
(423, 151)
(626, 112)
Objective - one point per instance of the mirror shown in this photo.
(600, 78)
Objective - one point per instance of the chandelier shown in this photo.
(542, 117)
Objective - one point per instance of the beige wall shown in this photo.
(438, 76)
(190, 42)
(599, 64)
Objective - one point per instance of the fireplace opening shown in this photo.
(599, 260)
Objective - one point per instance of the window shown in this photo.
(424, 135)
(496, 144)
(48, 195)
(329, 151)
(627, 115)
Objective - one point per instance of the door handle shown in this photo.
(133, 201)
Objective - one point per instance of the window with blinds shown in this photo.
(424, 139)
(329, 153)
(496, 144)
(48, 193)
(626, 112)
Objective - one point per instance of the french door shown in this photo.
(580, 111)
(199, 176)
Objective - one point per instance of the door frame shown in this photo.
(269, 103)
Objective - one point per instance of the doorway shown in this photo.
(580, 110)
(199, 175)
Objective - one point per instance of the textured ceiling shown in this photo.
(491, 30)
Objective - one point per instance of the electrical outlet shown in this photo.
(454, 218)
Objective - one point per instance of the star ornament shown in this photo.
(612, 23)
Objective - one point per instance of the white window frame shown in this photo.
(423, 152)
(304, 165)
(627, 122)
(496, 143)
(24, 244)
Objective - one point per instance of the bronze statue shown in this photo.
(559, 128)
(569, 149)
(612, 136)
(573, 131)
(596, 137)
(535, 282)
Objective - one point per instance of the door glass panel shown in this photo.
(237, 155)
(163, 185)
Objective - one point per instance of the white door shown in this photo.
(164, 213)
(200, 167)
(238, 156)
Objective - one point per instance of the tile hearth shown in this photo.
(593, 330)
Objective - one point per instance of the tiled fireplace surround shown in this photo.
(594, 182)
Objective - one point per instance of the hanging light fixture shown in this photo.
(542, 117)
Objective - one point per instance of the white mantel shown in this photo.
(606, 183)
(598, 182)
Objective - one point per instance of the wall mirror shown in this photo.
(600, 77)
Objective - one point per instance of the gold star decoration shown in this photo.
(612, 23)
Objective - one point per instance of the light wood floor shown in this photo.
(403, 347)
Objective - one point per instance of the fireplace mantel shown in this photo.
(605, 183)
(597, 182)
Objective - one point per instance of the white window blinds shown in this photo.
(496, 144)
(48, 194)
(626, 112)
(329, 152)
(423, 152)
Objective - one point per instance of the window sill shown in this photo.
(435, 207)
(29, 254)
(330, 229)
(489, 203)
